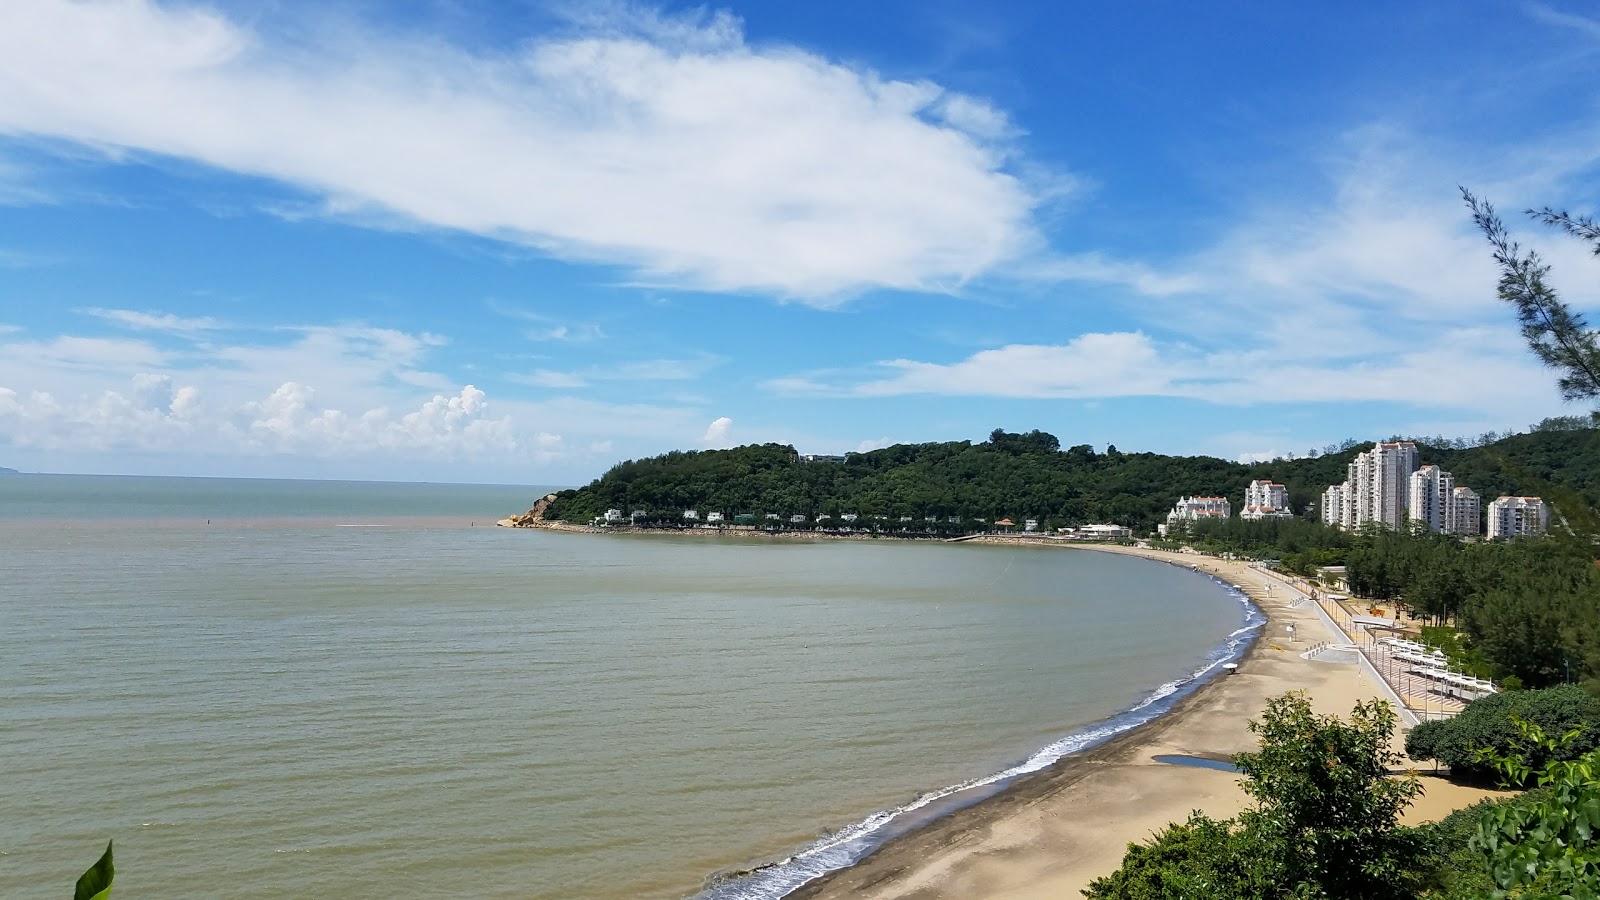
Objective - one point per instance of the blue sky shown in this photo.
(520, 241)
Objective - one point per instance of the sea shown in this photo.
(267, 689)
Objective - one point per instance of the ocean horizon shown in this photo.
(316, 708)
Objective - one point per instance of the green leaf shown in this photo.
(95, 884)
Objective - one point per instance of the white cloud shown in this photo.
(1485, 370)
(1091, 365)
(717, 434)
(154, 414)
(147, 321)
(669, 145)
(547, 378)
(638, 370)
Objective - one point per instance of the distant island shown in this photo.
(1023, 476)
(6, 471)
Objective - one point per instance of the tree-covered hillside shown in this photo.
(1031, 476)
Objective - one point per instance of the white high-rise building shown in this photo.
(1333, 506)
(1377, 487)
(1431, 490)
(1466, 512)
(1199, 509)
(1511, 517)
(1265, 500)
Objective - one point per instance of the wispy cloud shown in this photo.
(668, 145)
(547, 328)
(1479, 369)
(636, 370)
(1573, 21)
(152, 321)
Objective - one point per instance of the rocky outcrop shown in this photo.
(533, 518)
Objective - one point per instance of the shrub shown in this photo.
(1487, 724)
(1423, 741)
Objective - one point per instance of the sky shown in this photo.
(520, 241)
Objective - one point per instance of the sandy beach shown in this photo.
(1051, 833)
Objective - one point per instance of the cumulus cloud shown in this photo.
(154, 414)
(668, 145)
(718, 432)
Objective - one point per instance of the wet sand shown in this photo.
(1051, 833)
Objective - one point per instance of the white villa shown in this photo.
(1511, 517)
(613, 515)
(714, 517)
(691, 515)
(1266, 500)
(1199, 509)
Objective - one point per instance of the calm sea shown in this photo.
(352, 690)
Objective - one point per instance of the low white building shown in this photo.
(1097, 533)
(714, 517)
(1030, 525)
(613, 515)
(849, 517)
(1266, 500)
(1511, 517)
(797, 519)
(691, 515)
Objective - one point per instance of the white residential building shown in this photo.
(1511, 517)
(1430, 499)
(850, 517)
(1199, 509)
(1030, 525)
(1333, 506)
(613, 515)
(691, 515)
(1466, 511)
(1266, 500)
(714, 517)
(797, 519)
(1376, 489)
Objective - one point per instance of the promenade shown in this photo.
(1419, 697)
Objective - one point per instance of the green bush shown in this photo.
(1487, 724)
(1423, 741)
(1454, 869)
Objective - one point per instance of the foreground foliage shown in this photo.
(1323, 823)
(95, 884)
(1545, 845)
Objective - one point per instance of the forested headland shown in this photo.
(1030, 475)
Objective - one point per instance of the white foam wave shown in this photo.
(850, 844)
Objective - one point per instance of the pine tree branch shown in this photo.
(1557, 335)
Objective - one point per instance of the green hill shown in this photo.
(1030, 476)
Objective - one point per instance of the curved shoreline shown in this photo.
(1049, 834)
(856, 843)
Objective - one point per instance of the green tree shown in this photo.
(1324, 823)
(1557, 335)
